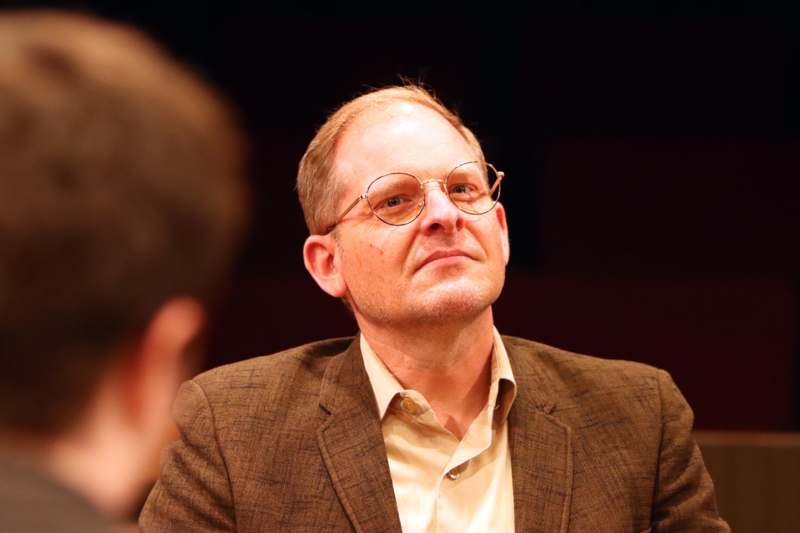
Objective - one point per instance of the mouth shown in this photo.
(443, 257)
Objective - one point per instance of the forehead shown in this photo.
(399, 137)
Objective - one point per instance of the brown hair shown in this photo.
(316, 185)
(120, 187)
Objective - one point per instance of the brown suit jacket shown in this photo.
(292, 442)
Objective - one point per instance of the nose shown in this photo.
(439, 214)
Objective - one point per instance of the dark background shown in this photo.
(652, 155)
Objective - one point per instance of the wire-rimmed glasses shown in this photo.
(398, 198)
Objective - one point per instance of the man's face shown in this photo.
(446, 263)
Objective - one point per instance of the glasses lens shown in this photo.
(474, 187)
(396, 198)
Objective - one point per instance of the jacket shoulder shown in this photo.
(271, 381)
(581, 386)
(558, 365)
(312, 358)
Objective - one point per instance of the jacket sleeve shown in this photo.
(193, 493)
(684, 495)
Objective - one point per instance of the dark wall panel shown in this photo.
(651, 163)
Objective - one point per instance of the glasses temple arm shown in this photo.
(349, 208)
(500, 176)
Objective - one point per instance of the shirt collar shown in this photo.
(503, 376)
(386, 386)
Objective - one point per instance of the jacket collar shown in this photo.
(540, 445)
(351, 443)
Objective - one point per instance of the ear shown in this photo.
(322, 259)
(500, 212)
(158, 364)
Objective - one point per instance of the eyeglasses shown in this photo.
(398, 198)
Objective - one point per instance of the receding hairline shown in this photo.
(317, 187)
(383, 100)
(377, 116)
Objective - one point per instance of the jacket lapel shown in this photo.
(541, 453)
(351, 443)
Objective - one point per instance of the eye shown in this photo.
(393, 202)
(463, 190)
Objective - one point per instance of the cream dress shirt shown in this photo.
(442, 484)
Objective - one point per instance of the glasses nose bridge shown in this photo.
(441, 186)
(440, 182)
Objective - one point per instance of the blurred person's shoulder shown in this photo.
(26, 491)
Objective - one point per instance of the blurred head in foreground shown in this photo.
(121, 203)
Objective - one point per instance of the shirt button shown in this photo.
(456, 471)
(410, 406)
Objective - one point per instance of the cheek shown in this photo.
(375, 249)
(387, 244)
(490, 238)
(366, 259)
(378, 254)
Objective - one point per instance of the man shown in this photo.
(429, 420)
(121, 201)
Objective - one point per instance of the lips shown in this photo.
(442, 254)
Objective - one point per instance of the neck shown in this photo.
(96, 458)
(95, 466)
(450, 364)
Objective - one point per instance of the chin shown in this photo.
(459, 300)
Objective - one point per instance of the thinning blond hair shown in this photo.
(317, 187)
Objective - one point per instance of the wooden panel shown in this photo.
(757, 477)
